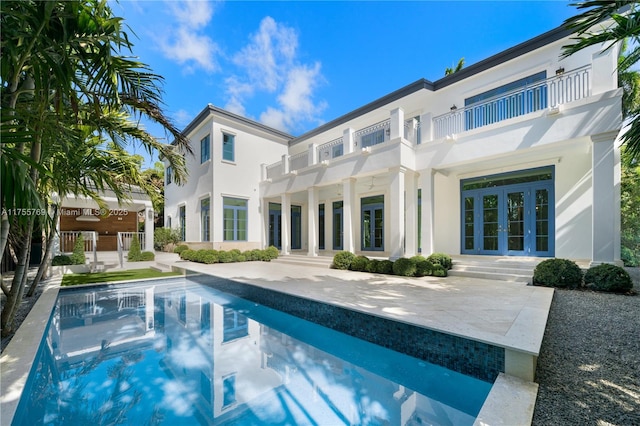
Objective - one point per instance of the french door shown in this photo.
(513, 220)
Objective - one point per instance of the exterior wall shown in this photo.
(573, 130)
(217, 178)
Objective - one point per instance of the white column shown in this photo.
(285, 228)
(396, 210)
(348, 214)
(411, 214)
(264, 210)
(426, 233)
(397, 123)
(606, 204)
(148, 229)
(348, 141)
(312, 204)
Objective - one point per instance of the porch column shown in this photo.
(349, 191)
(411, 214)
(264, 207)
(285, 229)
(605, 163)
(148, 229)
(396, 209)
(426, 233)
(312, 205)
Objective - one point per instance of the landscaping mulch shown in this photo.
(589, 364)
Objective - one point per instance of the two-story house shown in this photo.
(516, 155)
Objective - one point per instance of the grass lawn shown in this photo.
(102, 277)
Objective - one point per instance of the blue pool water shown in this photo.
(178, 352)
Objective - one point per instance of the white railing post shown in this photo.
(120, 249)
(348, 141)
(426, 127)
(285, 164)
(396, 125)
(313, 154)
(263, 172)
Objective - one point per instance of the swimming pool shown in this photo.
(178, 352)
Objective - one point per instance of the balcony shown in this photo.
(550, 93)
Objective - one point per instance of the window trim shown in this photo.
(233, 152)
(208, 151)
(235, 210)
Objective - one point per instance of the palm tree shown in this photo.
(67, 72)
(607, 23)
(458, 67)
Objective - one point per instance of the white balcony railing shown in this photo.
(330, 150)
(373, 135)
(274, 170)
(560, 89)
(127, 238)
(299, 161)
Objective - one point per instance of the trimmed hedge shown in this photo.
(416, 266)
(179, 249)
(61, 259)
(441, 259)
(359, 264)
(608, 277)
(77, 258)
(342, 260)
(221, 256)
(561, 273)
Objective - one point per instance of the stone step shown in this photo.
(315, 261)
(492, 276)
(494, 268)
(514, 269)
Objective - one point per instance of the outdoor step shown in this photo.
(491, 276)
(315, 261)
(161, 267)
(493, 268)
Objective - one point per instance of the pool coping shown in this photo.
(19, 355)
(510, 401)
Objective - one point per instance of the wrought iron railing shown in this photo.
(560, 89)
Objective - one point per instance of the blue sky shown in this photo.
(296, 65)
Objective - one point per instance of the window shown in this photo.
(205, 149)
(519, 97)
(168, 172)
(337, 151)
(235, 325)
(183, 223)
(373, 138)
(228, 147)
(337, 225)
(169, 222)
(205, 219)
(229, 390)
(235, 219)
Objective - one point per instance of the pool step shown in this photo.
(297, 259)
(512, 269)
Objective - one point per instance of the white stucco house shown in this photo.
(516, 155)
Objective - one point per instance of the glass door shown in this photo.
(372, 228)
(337, 225)
(275, 223)
(296, 227)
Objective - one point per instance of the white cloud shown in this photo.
(269, 64)
(186, 43)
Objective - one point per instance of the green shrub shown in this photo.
(134, 249)
(424, 268)
(557, 273)
(241, 258)
(271, 253)
(61, 259)
(441, 259)
(77, 258)
(210, 258)
(439, 271)
(147, 256)
(607, 277)
(225, 257)
(385, 267)
(359, 263)
(179, 249)
(404, 267)
(165, 236)
(343, 259)
(372, 265)
(188, 255)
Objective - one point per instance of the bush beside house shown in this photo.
(221, 256)
(136, 255)
(564, 273)
(436, 264)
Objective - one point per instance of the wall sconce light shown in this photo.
(388, 132)
(454, 107)
(560, 71)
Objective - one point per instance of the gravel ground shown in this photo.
(589, 364)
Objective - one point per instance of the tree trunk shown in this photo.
(47, 253)
(17, 285)
(4, 232)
